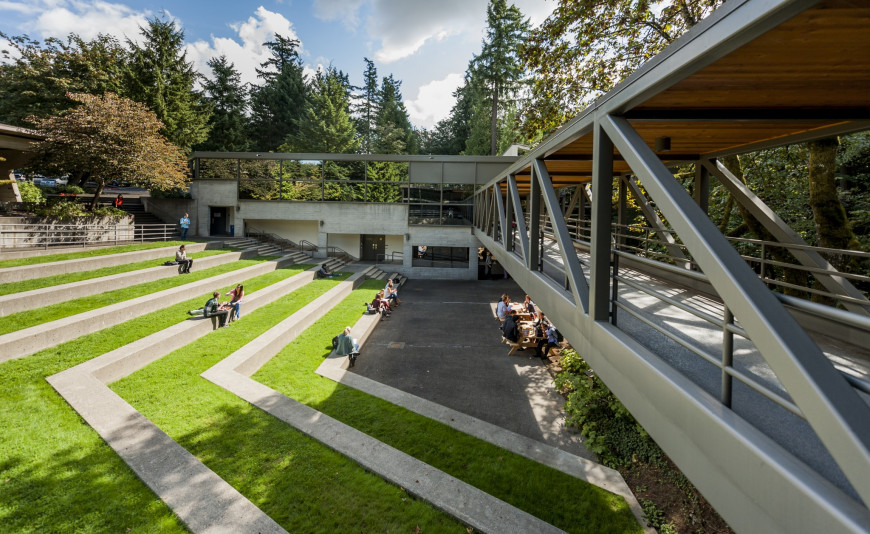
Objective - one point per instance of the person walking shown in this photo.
(184, 222)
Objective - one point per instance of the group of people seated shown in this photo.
(225, 312)
(524, 324)
(385, 301)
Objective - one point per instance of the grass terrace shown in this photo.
(34, 260)
(56, 473)
(29, 318)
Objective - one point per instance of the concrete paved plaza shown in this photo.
(443, 344)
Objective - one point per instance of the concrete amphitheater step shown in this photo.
(209, 503)
(41, 270)
(24, 342)
(37, 298)
(465, 502)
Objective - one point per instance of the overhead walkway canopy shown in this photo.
(755, 74)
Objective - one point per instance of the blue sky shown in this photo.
(424, 43)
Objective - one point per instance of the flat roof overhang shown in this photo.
(755, 74)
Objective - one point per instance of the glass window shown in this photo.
(425, 193)
(443, 257)
(255, 169)
(218, 169)
(259, 190)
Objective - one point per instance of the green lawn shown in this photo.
(89, 253)
(308, 488)
(56, 473)
(26, 319)
(56, 280)
(551, 495)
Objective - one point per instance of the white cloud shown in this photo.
(87, 19)
(434, 101)
(344, 10)
(19, 7)
(402, 27)
(248, 52)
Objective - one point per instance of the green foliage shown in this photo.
(610, 430)
(325, 125)
(35, 77)
(159, 75)
(70, 189)
(67, 210)
(393, 131)
(228, 98)
(109, 137)
(105, 251)
(30, 193)
(586, 47)
(278, 103)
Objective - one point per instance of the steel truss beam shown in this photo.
(784, 234)
(520, 218)
(500, 213)
(834, 410)
(573, 270)
(665, 235)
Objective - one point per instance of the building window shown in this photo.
(444, 257)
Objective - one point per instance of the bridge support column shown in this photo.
(602, 185)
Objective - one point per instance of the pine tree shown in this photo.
(326, 126)
(394, 133)
(498, 67)
(366, 109)
(159, 76)
(277, 105)
(228, 98)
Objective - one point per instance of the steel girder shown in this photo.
(837, 414)
(785, 234)
(654, 221)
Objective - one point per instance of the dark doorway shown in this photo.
(219, 221)
(371, 247)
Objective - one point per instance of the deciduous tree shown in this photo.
(109, 137)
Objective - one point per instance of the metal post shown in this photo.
(602, 186)
(701, 190)
(614, 289)
(727, 356)
(763, 261)
(621, 214)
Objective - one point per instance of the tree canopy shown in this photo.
(159, 75)
(229, 102)
(109, 137)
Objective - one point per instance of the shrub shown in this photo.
(70, 190)
(171, 193)
(30, 193)
(67, 210)
(609, 429)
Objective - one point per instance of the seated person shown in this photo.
(529, 305)
(236, 301)
(347, 346)
(551, 341)
(381, 305)
(324, 272)
(503, 307)
(392, 294)
(509, 328)
(184, 263)
(213, 308)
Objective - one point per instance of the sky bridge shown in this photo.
(768, 417)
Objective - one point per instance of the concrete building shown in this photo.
(414, 212)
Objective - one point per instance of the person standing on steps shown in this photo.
(184, 262)
(119, 201)
(184, 222)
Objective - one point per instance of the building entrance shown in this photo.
(371, 247)
(218, 218)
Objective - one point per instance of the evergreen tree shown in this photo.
(394, 133)
(366, 109)
(228, 98)
(498, 68)
(35, 78)
(160, 77)
(451, 134)
(325, 126)
(278, 104)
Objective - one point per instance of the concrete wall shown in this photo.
(340, 224)
(347, 242)
(171, 210)
(210, 193)
(295, 231)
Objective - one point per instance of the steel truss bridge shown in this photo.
(768, 418)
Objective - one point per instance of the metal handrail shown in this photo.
(273, 239)
(392, 256)
(24, 235)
